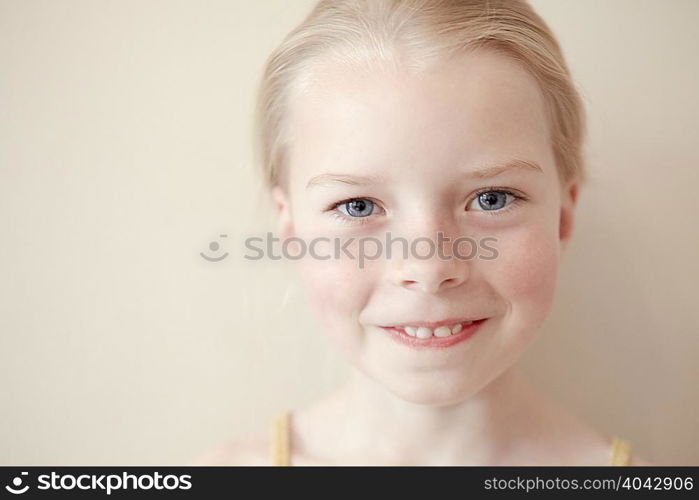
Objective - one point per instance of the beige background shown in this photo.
(125, 148)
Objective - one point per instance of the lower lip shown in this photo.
(434, 342)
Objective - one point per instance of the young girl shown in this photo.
(427, 121)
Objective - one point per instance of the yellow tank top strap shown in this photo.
(280, 439)
(620, 452)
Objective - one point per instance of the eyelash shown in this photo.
(518, 198)
(350, 220)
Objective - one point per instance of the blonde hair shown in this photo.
(415, 34)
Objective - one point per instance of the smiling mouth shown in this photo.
(438, 335)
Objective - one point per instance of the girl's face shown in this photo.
(416, 153)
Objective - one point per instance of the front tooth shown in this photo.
(456, 328)
(423, 333)
(442, 331)
(410, 330)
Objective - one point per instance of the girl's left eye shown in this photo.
(492, 200)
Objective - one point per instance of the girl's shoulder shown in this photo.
(636, 461)
(251, 449)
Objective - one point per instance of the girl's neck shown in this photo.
(365, 424)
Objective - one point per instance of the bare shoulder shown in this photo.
(638, 461)
(599, 450)
(252, 449)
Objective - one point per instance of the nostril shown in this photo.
(452, 282)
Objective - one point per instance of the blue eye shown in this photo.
(357, 207)
(492, 200)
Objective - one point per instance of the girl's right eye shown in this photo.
(357, 207)
(354, 210)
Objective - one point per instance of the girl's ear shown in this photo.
(568, 203)
(282, 208)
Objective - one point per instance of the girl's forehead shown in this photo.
(480, 105)
(480, 80)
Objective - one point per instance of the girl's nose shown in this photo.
(427, 269)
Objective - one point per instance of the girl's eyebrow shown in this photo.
(497, 169)
(354, 180)
(479, 173)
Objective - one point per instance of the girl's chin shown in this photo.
(427, 398)
(438, 393)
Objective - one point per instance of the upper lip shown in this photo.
(435, 324)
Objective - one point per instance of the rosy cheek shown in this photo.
(337, 291)
(524, 272)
